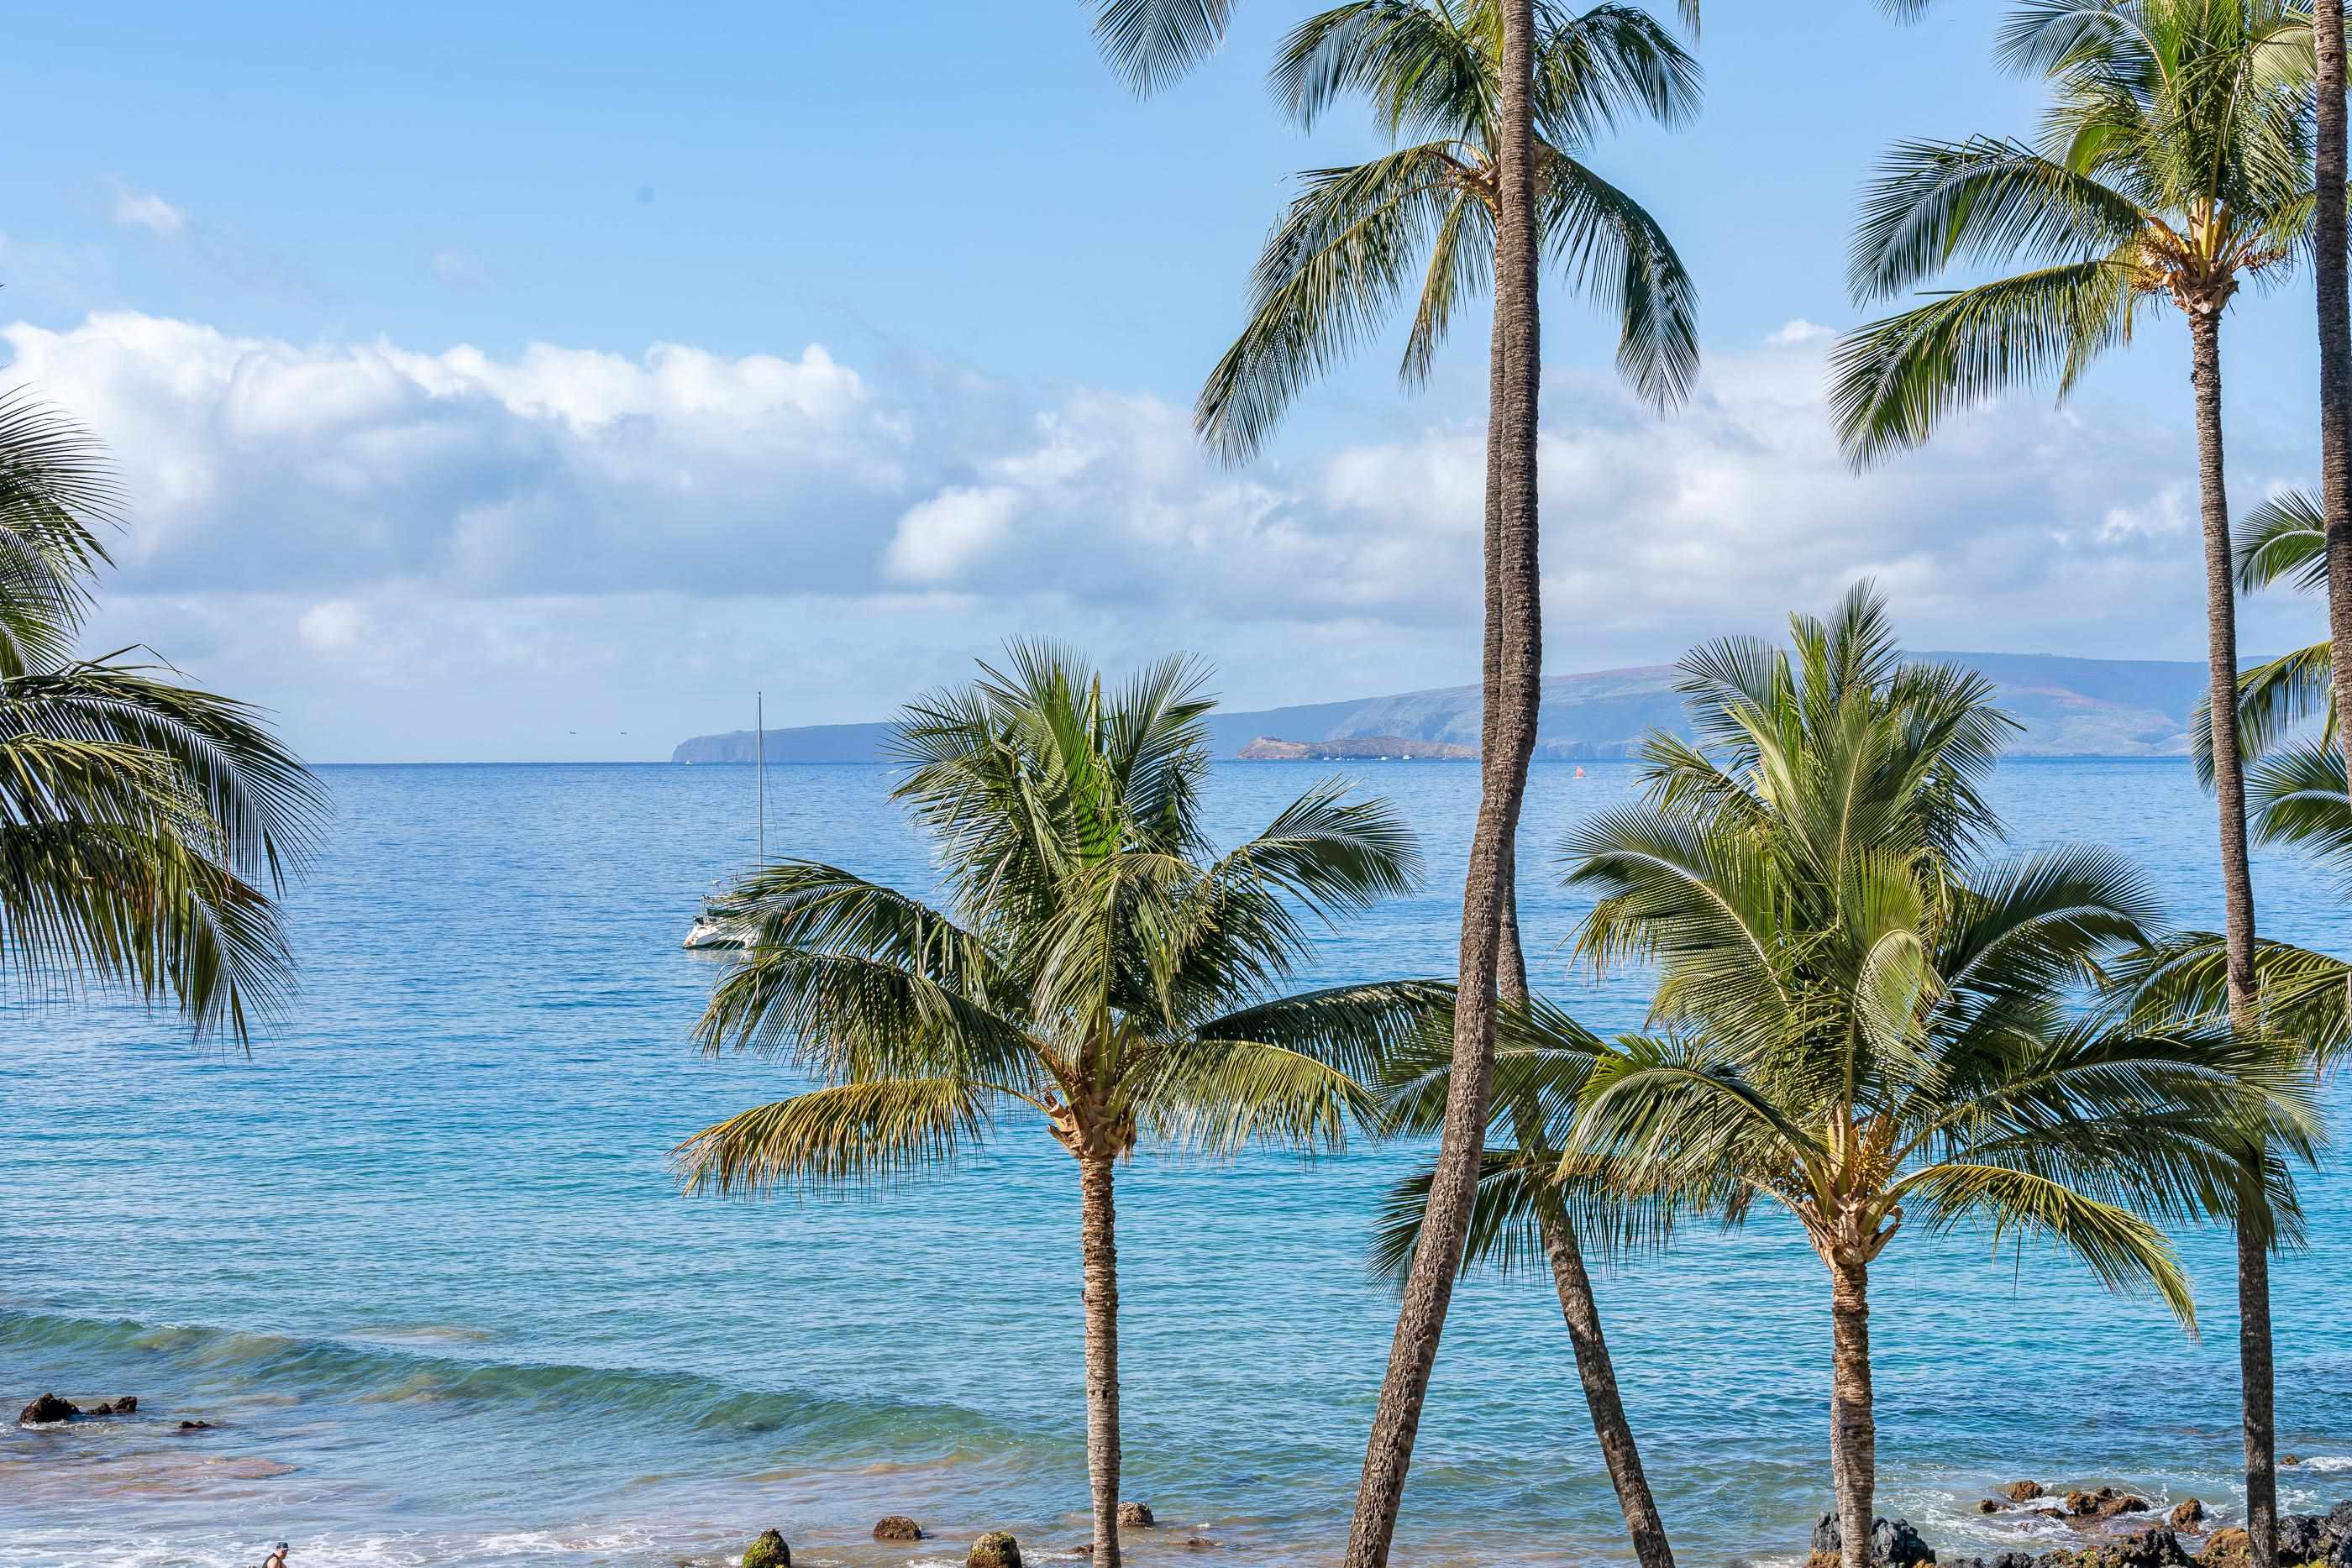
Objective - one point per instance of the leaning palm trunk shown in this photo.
(2238, 894)
(1507, 742)
(1599, 1375)
(1097, 1224)
(1565, 1252)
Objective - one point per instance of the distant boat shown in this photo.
(713, 929)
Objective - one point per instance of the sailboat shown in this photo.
(714, 928)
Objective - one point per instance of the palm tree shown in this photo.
(1097, 968)
(1150, 42)
(1542, 1060)
(2328, 219)
(1333, 268)
(2173, 164)
(1861, 1020)
(146, 828)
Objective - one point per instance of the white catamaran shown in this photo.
(712, 929)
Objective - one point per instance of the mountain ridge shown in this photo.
(2070, 706)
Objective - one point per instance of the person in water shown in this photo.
(277, 1558)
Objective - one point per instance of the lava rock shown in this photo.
(47, 1409)
(2302, 1538)
(2154, 1547)
(997, 1549)
(2113, 1506)
(2189, 1515)
(1135, 1516)
(2227, 1547)
(768, 1551)
(1991, 1505)
(1199, 1544)
(897, 1527)
(2339, 1519)
(195, 1426)
(2013, 1560)
(1893, 1544)
(2021, 1492)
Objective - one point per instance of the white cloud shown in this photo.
(660, 528)
(335, 626)
(146, 210)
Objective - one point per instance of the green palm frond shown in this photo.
(1982, 200)
(1219, 1096)
(2125, 1251)
(1892, 382)
(1341, 258)
(2297, 796)
(873, 1132)
(1150, 43)
(2284, 536)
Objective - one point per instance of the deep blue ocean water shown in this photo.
(421, 1259)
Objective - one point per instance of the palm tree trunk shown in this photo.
(1853, 1430)
(1506, 741)
(2237, 898)
(1097, 1229)
(2329, 246)
(1599, 1375)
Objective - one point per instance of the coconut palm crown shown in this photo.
(147, 827)
(1863, 1021)
(2172, 166)
(1095, 970)
(1359, 237)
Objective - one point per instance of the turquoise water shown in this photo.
(421, 1257)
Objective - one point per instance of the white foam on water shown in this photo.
(2324, 1462)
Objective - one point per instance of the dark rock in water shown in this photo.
(1135, 1516)
(1084, 1549)
(1199, 1544)
(2290, 1459)
(997, 1549)
(2013, 1560)
(1893, 1543)
(897, 1527)
(2189, 1515)
(1991, 1505)
(2021, 1492)
(2110, 1507)
(126, 1405)
(47, 1409)
(768, 1551)
(195, 1426)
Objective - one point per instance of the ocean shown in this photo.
(420, 1257)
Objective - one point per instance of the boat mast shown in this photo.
(760, 719)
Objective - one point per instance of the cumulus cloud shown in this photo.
(675, 518)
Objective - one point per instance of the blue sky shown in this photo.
(373, 306)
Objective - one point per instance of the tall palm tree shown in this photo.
(1150, 42)
(2173, 164)
(1097, 971)
(1861, 1020)
(146, 828)
(1524, 1212)
(2335, 313)
(1333, 268)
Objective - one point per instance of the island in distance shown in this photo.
(2070, 707)
(1356, 749)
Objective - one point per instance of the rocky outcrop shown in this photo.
(2229, 1547)
(2188, 1515)
(997, 1549)
(897, 1527)
(49, 1409)
(2021, 1492)
(1893, 1544)
(195, 1427)
(2095, 1507)
(768, 1551)
(1135, 1516)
